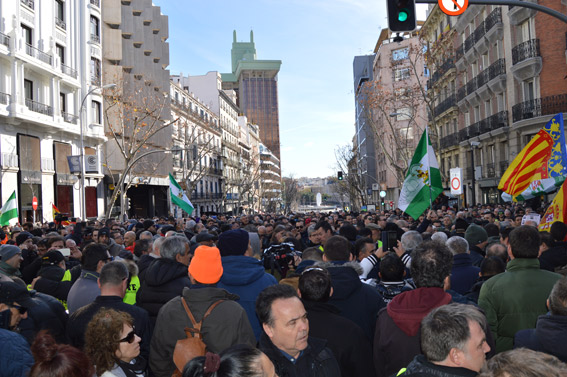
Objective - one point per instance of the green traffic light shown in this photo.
(403, 16)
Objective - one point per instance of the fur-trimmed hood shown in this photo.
(352, 264)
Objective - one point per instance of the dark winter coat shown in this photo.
(356, 301)
(477, 255)
(420, 367)
(15, 355)
(513, 300)
(227, 325)
(164, 279)
(389, 290)
(396, 341)
(51, 284)
(463, 273)
(245, 277)
(554, 257)
(548, 336)
(143, 263)
(349, 344)
(475, 289)
(316, 360)
(49, 314)
(78, 321)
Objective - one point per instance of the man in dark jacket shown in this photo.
(477, 238)
(551, 329)
(286, 340)
(463, 273)
(453, 342)
(556, 255)
(166, 277)
(113, 282)
(53, 278)
(349, 344)
(243, 275)
(225, 326)
(356, 301)
(396, 340)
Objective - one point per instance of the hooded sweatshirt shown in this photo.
(396, 341)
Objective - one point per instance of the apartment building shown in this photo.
(51, 106)
(270, 176)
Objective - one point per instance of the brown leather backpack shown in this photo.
(192, 346)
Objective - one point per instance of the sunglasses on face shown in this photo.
(129, 338)
(21, 309)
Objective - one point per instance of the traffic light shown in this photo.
(340, 175)
(401, 15)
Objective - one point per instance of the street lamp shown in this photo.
(82, 154)
(473, 144)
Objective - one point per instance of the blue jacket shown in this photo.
(15, 355)
(245, 277)
(463, 273)
(548, 336)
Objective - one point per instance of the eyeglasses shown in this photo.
(21, 309)
(130, 337)
(299, 227)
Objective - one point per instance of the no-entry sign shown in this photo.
(453, 7)
(34, 203)
(456, 181)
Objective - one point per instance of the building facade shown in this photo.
(47, 82)
(255, 83)
(270, 177)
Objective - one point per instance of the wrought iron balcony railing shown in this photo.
(539, 107)
(496, 69)
(70, 118)
(39, 107)
(28, 3)
(38, 54)
(4, 39)
(59, 22)
(525, 50)
(493, 18)
(68, 71)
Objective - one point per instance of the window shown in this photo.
(96, 112)
(404, 113)
(95, 71)
(60, 4)
(401, 74)
(28, 89)
(400, 54)
(63, 102)
(27, 34)
(95, 30)
(529, 90)
(60, 51)
(406, 133)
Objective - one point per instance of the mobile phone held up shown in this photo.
(389, 240)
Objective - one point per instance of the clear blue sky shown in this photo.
(316, 41)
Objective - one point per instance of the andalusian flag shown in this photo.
(9, 210)
(557, 211)
(540, 167)
(178, 197)
(419, 188)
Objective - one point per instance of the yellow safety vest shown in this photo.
(402, 371)
(130, 296)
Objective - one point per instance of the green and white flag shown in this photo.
(9, 210)
(419, 188)
(178, 197)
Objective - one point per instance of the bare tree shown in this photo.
(246, 181)
(137, 121)
(290, 193)
(352, 185)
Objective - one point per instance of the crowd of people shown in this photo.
(477, 292)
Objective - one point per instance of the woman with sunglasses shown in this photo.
(113, 346)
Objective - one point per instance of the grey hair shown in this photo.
(439, 237)
(458, 245)
(410, 240)
(447, 327)
(311, 229)
(113, 273)
(146, 233)
(172, 246)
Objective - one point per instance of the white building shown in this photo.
(49, 51)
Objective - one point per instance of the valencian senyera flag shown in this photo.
(423, 180)
(540, 167)
(556, 211)
(178, 197)
(9, 210)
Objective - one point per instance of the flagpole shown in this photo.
(428, 168)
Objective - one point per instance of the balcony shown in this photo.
(469, 48)
(59, 22)
(70, 118)
(96, 3)
(459, 55)
(95, 38)
(472, 97)
(526, 60)
(69, 71)
(441, 71)
(39, 107)
(497, 76)
(481, 43)
(469, 42)
(461, 93)
(493, 122)
(4, 98)
(494, 26)
(28, 3)
(539, 107)
(445, 105)
(517, 15)
(490, 170)
(503, 166)
(206, 195)
(38, 54)
(449, 141)
(482, 79)
(4, 39)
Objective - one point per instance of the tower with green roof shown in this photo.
(256, 85)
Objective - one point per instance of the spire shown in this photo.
(234, 36)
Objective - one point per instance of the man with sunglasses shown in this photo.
(15, 355)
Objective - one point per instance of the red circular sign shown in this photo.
(453, 7)
(34, 203)
(455, 183)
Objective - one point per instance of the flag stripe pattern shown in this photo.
(540, 167)
(9, 210)
(556, 211)
(178, 197)
(423, 180)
